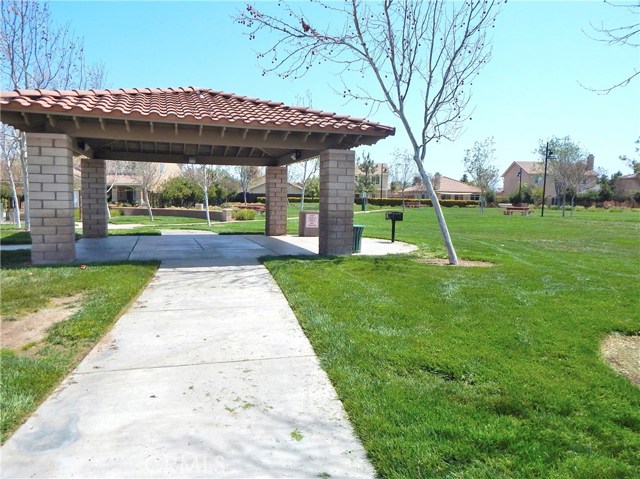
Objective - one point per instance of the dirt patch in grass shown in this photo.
(21, 332)
(461, 262)
(622, 353)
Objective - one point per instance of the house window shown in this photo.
(445, 197)
(538, 180)
(475, 197)
(458, 197)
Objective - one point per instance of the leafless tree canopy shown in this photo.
(419, 53)
(479, 163)
(626, 35)
(38, 54)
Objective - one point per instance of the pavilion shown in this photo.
(177, 125)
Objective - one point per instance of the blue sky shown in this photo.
(529, 91)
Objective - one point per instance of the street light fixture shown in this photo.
(548, 155)
(383, 170)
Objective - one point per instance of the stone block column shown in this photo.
(94, 198)
(337, 185)
(50, 159)
(276, 201)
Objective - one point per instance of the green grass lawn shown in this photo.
(482, 372)
(10, 234)
(32, 372)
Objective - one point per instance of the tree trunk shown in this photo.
(564, 202)
(206, 207)
(25, 180)
(146, 195)
(451, 252)
(304, 186)
(14, 194)
(108, 210)
(572, 206)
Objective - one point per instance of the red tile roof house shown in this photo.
(446, 188)
(177, 125)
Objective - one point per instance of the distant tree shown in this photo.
(181, 191)
(634, 164)
(422, 55)
(226, 185)
(11, 149)
(301, 173)
(574, 174)
(403, 171)
(626, 35)
(563, 166)
(479, 163)
(203, 176)
(115, 170)
(312, 187)
(465, 178)
(365, 174)
(246, 174)
(35, 54)
(148, 175)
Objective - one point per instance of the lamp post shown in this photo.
(519, 175)
(547, 155)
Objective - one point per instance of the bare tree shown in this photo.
(574, 174)
(38, 54)
(564, 167)
(420, 54)
(204, 176)
(626, 35)
(632, 163)
(478, 162)
(302, 172)
(403, 170)
(246, 174)
(10, 148)
(148, 175)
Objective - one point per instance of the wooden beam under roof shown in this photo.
(184, 158)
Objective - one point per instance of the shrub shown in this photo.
(244, 215)
(115, 212)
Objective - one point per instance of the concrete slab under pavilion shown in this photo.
(177, 125)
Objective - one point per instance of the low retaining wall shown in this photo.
(215, 215)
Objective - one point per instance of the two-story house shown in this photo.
(531, 173)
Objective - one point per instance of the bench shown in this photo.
(413, 204)
(523, 210)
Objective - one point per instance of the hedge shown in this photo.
(423, 202)
(391, 201)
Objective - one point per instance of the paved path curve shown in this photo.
(207, 375)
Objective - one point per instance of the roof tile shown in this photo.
(185, 103)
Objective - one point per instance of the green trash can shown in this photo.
(357, 238)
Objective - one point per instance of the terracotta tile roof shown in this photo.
(449, 185)
(190, 105)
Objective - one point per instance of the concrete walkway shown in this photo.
(207, 375)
